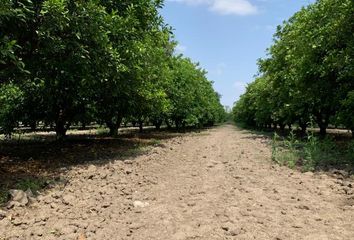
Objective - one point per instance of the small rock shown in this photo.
(53, 206)
(19, 198)
(235, 232)
(225, 228)
(2, 214)
(17, 222)
(296, 226)
(81, 237)
(106, 205)
(304, 207)
(68, 199)
(139, 204)
(340, 173)
(309, 174)
(135, 226)
(29, 193)
(92, 168)
(41, 218)
(56, 195)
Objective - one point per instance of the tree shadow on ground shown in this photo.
(41, 159)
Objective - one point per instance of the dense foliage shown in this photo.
(308, 74)
(64, 62)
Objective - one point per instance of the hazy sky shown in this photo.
(227, 36)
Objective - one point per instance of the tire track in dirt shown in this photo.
(220, 184)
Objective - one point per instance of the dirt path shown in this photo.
(220, 184)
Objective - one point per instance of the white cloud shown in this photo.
(225, 7)
(193, 2)
(220, 69)
(180, 48)
(236, 7)
(240, 85)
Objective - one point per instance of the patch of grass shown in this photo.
(284, 152)
(311, 153)
(35, 184)
(241, 125)
(4, 195)
(101, 131)
(155, 142)
(201, 134)
(31, 183)
(133, 152)
(286, 158)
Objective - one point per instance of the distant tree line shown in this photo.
(64, 62)
(308, 74)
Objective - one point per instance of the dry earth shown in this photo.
(220, 184)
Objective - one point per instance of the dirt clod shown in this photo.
(19, 198)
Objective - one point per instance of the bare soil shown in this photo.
(219, 184)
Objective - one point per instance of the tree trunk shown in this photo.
(33, 125)
(168, 124)
(158, 124)
(177, 123)
(282, 127)
(141, 126)
(322, 123)
(61, 125)
(303, 127)
(119, 122)
(323, 128)
(323, 131)
(113, 129)
(353, 133)
(184, 126)
(60, 130)
(114, 126)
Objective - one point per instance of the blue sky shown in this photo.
(227, 36)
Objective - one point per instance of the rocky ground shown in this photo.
(219, 184)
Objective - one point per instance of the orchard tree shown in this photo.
(65, 62)
(309, 66)
(135, 36)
